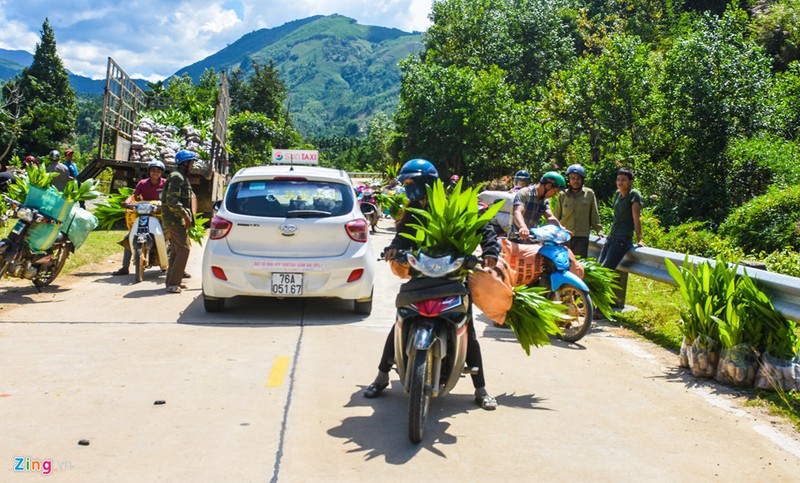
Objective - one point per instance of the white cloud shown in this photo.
(152, 39)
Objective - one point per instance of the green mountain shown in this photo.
(339, 73)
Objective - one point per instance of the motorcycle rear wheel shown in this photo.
(140, 261)
(45, 276)
(579, 309)
(420, 394)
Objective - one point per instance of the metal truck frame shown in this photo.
(123, 103)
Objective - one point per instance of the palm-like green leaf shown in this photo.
(449, 224)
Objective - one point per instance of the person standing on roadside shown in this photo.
(177, 215)
(577, 210)
(627, 221)
(56, 166)
(73, 170)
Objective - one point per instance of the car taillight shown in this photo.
(357, 230)
(219, 273)
(219, 228)
(355, 275)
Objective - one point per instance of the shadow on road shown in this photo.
(385, 433)
(268, 311)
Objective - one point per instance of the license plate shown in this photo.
(287, 284)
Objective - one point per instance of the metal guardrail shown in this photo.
(783, 290)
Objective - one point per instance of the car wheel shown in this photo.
(213, 304)
(364, 306)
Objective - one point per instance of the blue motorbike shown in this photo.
(564, 286)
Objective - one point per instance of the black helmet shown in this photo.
(577, 169)
(522, 175)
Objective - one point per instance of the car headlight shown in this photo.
(25, 214)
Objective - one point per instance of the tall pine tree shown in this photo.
(48, 102)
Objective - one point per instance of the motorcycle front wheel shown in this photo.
(420, 394)
(140, 260)
(579, 309)
(49, 272)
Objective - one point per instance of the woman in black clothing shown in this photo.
(416, 175)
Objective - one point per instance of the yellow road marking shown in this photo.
(278, 371)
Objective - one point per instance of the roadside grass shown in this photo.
(100, 245)
(657, 320)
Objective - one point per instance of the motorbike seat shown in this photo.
(418, 289)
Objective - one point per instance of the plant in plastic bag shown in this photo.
(704, 356)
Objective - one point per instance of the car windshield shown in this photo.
(289, 198)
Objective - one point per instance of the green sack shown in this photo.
(78, 226)
(41, 236)
(49, 202)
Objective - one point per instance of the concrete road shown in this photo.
(270, 390)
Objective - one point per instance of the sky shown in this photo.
(152, 39)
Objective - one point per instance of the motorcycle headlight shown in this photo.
(144, 208)
(25, 214)
(435, 266)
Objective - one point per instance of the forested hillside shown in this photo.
(338, 73)
(700, 99)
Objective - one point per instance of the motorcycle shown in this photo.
(430, 334)
(369, 206)
(35, 249)
(564, 286)
(146, 238)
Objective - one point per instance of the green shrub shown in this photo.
(767, 223)
(786, 262)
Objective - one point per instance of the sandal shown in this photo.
(374, 389)
(486, 402)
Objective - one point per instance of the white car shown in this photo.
(289, 231)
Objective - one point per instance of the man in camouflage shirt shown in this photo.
(176, 207)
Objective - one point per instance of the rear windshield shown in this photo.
(287, 199)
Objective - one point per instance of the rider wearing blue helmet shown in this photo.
(415, 176)
(177, 215)
(148, 189)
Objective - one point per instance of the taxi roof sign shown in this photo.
(295, 156)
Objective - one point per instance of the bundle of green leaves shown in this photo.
(197, 232)
(395, 204)
(450, 225)
(533, 317)
(110, 213)
(34, 176)
(602, 283)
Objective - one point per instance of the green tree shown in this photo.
(47, 102)
(253, 135)
(713, 88)
(598, 109)
(528, 39)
